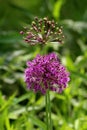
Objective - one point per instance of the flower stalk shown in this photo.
(48, 111)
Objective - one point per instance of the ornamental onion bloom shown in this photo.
(42, 31)
(46, 72)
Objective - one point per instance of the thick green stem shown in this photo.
(48, 111)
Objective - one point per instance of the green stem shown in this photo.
(48, 111)
(49, 105)
(47, 119)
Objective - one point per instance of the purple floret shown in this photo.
(46, 72)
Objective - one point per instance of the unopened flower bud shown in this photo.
(43, 31)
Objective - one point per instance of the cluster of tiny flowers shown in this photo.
(46, 72)
(42, 31)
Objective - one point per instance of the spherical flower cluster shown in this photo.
(42, 31)
(46, 72)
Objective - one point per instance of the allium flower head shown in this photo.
(46, 72)
(43, 31)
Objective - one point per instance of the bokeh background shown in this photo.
(24, 110)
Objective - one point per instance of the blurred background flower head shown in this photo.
(43, 31)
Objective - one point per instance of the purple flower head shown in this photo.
(46, 72)
(42, 31)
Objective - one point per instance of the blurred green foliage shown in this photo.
(24, 110)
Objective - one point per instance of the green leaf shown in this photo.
(81, 62)
(57, 8)
(37, 122)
